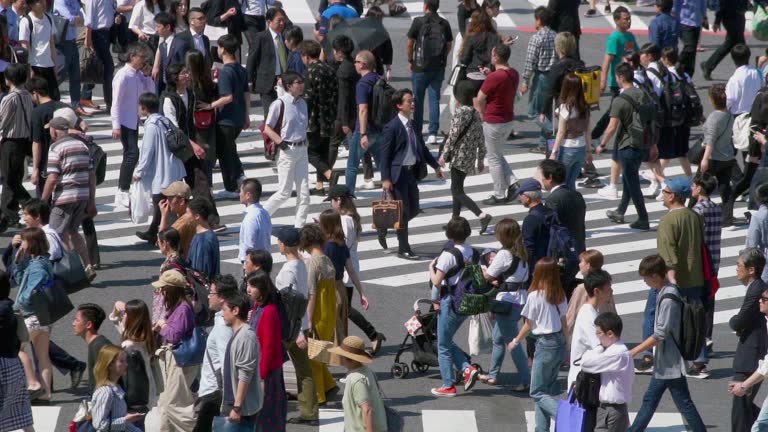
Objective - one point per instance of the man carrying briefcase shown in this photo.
(404, 157)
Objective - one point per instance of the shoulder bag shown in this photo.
(69, 269)
(696, 152)
(203, 119)
(270, 147)
(190, 351)
(387, 212)
(51, 302)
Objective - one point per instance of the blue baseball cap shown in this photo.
(289, 236)
(679, 186)
(528, 185)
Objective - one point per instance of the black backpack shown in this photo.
(98, 156)
(643, 131)
(430, 47)
(646, 86)
(694, 110)
(693, 324)
(292, 306)
(562, 244)
(672, 98)
(177, 141)
(381, 109)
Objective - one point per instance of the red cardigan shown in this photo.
(271, 341)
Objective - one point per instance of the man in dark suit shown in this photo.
(268, 58)
(172, 49)
(566, 18)
(196, 39)
(404, 156)
(749, 325)
(569, 206)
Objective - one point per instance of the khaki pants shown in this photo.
(176, 402)
(305, 381)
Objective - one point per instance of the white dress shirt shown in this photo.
(656, 81)
(168, 41)
(741, 89)
(215, 350)
(583, 339)
(617, 371)
(127, 85)
(99, 14)
(276, 39)
(295, 118)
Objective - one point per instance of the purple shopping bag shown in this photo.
(570, 415)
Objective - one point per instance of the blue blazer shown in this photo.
(176, 55)
(393, 143)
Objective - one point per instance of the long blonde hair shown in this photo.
(107, 356)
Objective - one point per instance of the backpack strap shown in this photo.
(510, 271)
(679, 301)
(459, 257)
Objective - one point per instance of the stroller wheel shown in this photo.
(419, 367)
(398, 371)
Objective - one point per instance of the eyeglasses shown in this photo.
(763, 299)
(666, 191)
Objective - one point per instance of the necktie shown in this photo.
(163, 54)
(199, 43)
(282, 54)
(412, 140)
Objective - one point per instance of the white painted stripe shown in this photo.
(504, 19)
(44, 418)
(416, 9)
(724, 293)
(661, 422)
(299, 12)
(448, 421)
(331, 420)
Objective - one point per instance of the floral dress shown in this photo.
(465, 144)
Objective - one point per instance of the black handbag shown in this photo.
(91, 68)
(51, 302)
(136, 382)
(587, 387)
(60, 28)
(70, 270)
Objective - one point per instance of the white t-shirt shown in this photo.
(583, 338)
(40, 47)
(502, 263)
(143, 19)
(567, 114)
(294, 273)
(544, 317)
(446, 262)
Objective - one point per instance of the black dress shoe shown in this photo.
(303, 421)
(484, 223)
(147, 236)
(640, 225)
(317, 192)
(512, 191)
(706, 72)
(382, 234)
(492, 200)
(408, 256)
(615, 216)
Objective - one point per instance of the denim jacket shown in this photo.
(31, 274)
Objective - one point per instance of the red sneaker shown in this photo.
(444, 391)
(470, 377)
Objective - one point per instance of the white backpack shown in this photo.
(741, 131)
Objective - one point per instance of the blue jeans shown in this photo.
(573, 159)
(72, 56)
(630, 159)
(504, 330)
(449, 355)
(678, 388)
(649, 316)
(550, 351)
(356, 153)
(761, 425)
(428, 81)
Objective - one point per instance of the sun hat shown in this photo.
(353, 348)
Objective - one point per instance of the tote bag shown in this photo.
(51, 302)
(570, 415)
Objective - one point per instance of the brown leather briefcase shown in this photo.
(387, 213)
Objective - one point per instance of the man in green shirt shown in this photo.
(679, 240)
(620, 43)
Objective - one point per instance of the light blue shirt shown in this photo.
(295, 118)
(100, 14)
(156, 162)
(255, 231)
(215, 349)
(690, 13)
(13, 23)
(69, 9)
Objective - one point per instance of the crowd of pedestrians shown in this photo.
(211, 347)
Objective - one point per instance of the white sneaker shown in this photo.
(122, 199)
(660, 196)
(343, 152)
(609, 191)
(432, 139)
(369, 184)
(648, 175)
(652, 189)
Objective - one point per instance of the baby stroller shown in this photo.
(421, 340)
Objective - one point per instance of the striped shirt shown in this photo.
(712, 215)
(16, 114)
(71, 160)
(108, 410)
(540, 55)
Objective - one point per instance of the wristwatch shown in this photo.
(236, 409)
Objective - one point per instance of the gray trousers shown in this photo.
(612, 418)
(495, 137)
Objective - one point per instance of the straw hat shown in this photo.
(352, 347)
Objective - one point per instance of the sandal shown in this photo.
(486, 379)
(397, 9)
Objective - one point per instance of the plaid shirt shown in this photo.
(712, 216)
(541, 52)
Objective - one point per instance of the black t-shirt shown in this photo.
(413, 33)
(93, 355)
(233, 81)
(41, 115)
